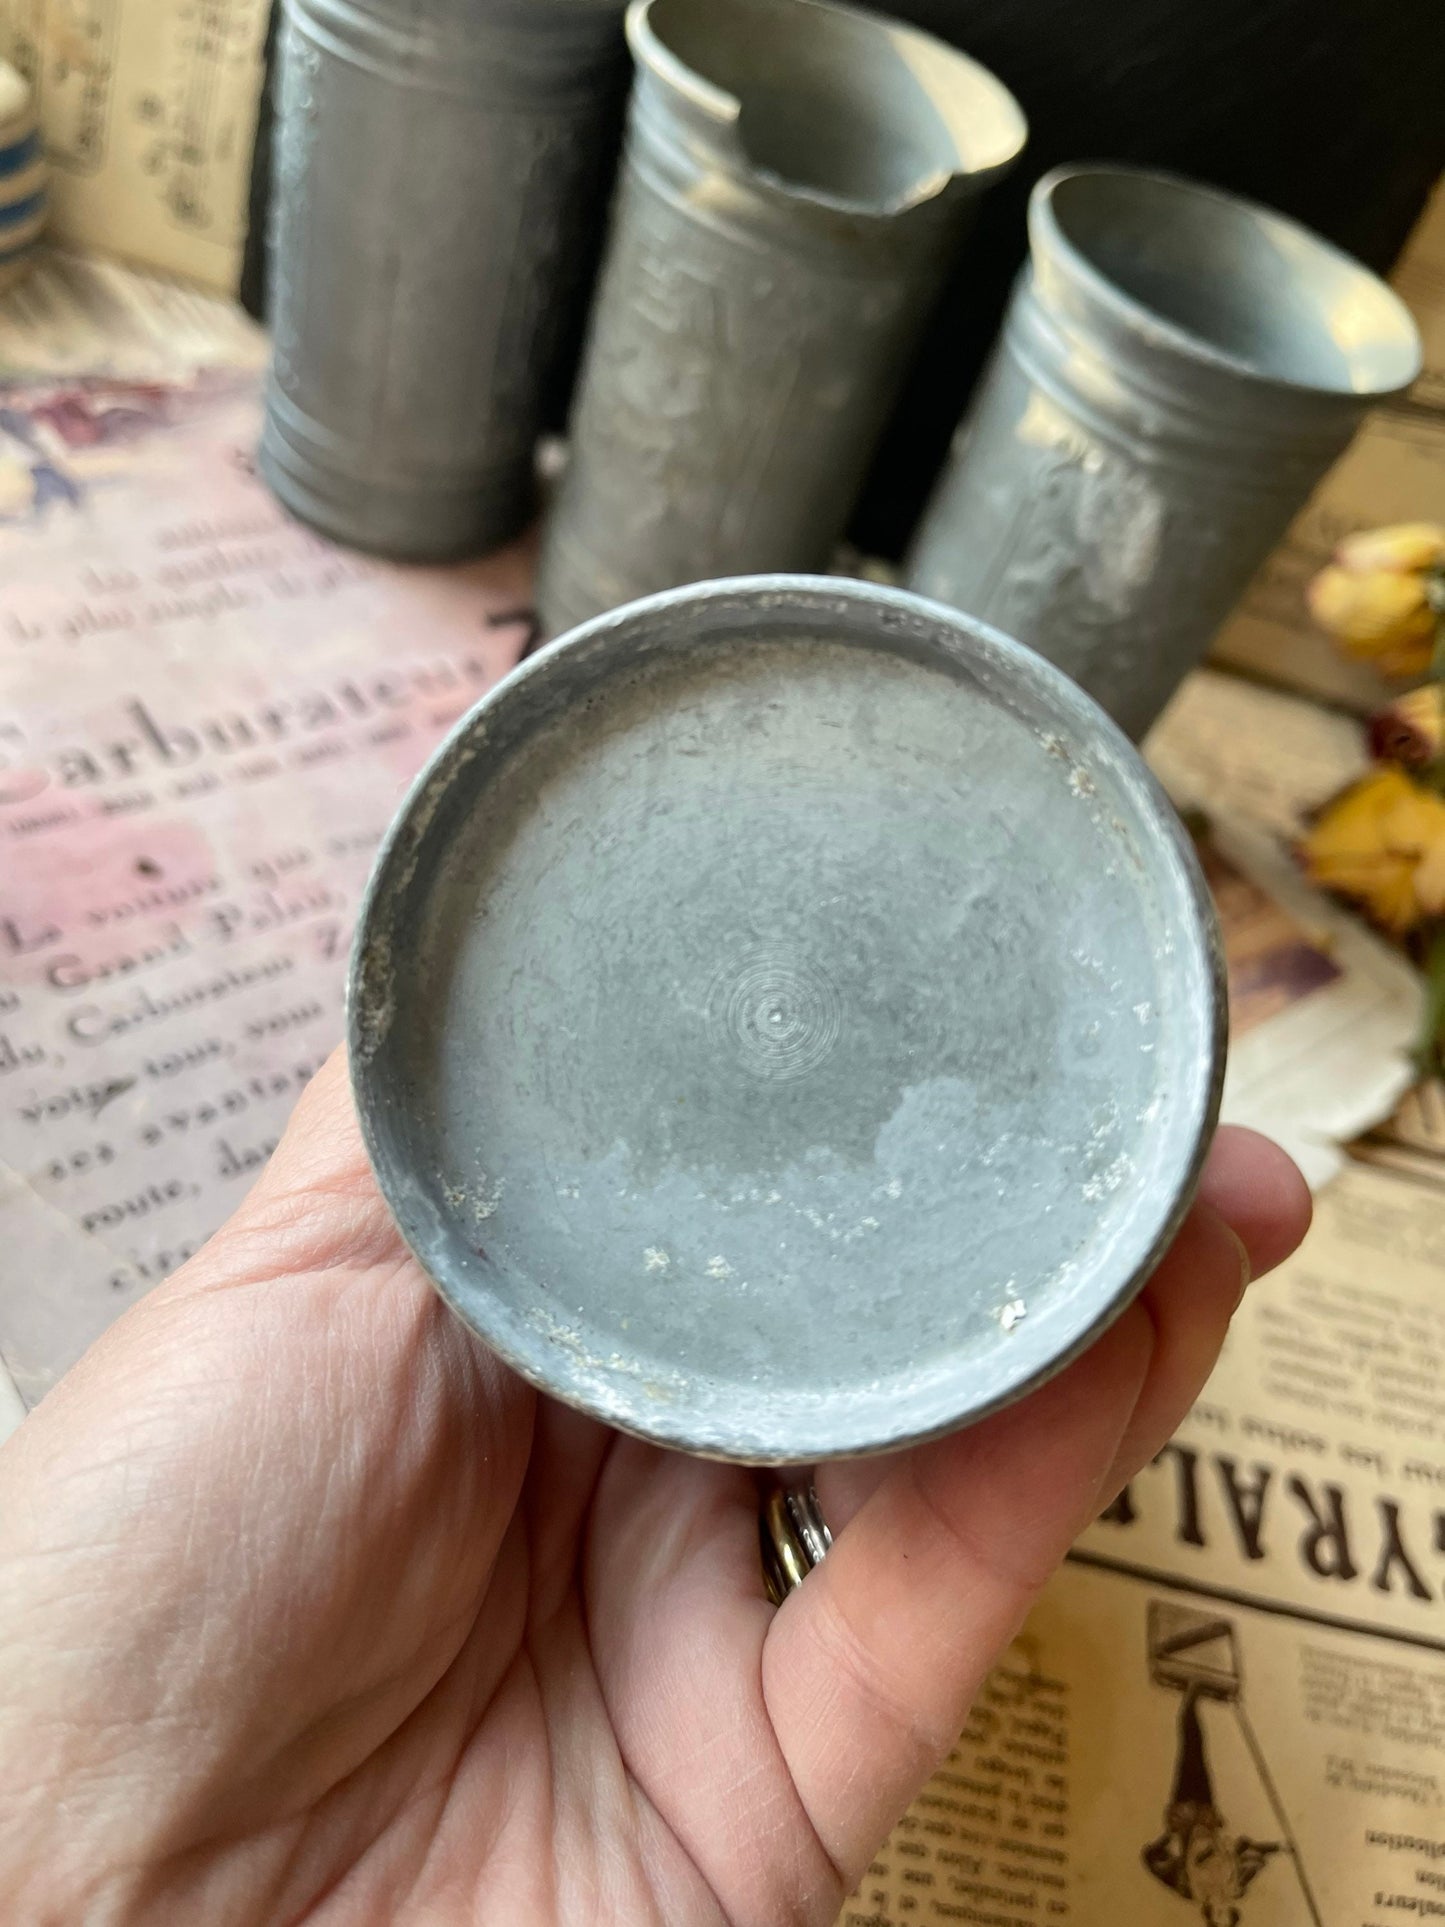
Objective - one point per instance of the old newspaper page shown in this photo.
(149, 117)
(207, 717)
(1230, 1704)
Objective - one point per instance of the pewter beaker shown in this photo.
(840, 1008)
(438, 166)
(797, 177)
(1177, 370)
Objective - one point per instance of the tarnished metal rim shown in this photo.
(718, 104)
(843, 605)
(1046, 232)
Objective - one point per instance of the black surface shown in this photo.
(1331, 110)
(252, 290)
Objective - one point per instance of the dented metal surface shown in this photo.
(1177, 370)
(786, 1019)
(796, 183)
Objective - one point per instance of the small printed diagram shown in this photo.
(1196, 1656)
(56, 442)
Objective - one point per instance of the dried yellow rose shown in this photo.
(1383, 843)
(1412, 730)
(1382, 618)
(1409, 547)
(1375, 598)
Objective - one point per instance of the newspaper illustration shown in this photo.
(149, 118)
(207, 717)
(1412, 1140)
(1196, 1655)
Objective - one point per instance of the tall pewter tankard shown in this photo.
(797, 178)
(1177, 370)
(438, 165)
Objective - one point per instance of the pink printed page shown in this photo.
(207, 717)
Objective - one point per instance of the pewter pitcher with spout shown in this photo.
(797, 179)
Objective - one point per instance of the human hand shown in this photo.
(313, 1612)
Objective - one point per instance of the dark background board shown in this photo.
(1332, 110)
(253, 262)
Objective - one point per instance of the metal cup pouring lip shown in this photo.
(797, 179)
(820, 102)
(786, 1019)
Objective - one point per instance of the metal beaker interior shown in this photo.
(1247, 286)
(841, 105)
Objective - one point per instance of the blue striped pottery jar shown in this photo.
(22, 178)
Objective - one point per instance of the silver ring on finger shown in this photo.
(794, 1537)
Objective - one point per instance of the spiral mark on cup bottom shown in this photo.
(779, 1014)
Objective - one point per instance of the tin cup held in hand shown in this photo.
(796, 181)
(787, 1019)
(439, 166)
(1177, 370)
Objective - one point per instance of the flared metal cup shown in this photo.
(1177, 370)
